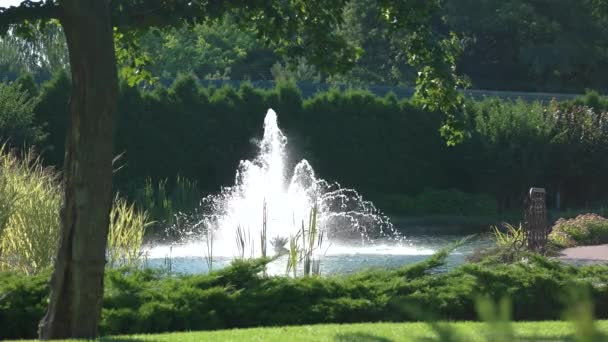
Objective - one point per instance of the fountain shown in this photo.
(269, 203)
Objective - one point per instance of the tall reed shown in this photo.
(125, 237)
(311, 240)
(209, 248)
(263, 233)
(315, 240)
(292, 256)
(263, 237)
(243, 240)
(164, 200)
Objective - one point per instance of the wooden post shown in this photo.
(536, 225)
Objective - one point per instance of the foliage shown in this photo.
(510, 245)
(512, 145)
(29, 218)
(508, 146)
(580, 143)
(17, 116)
(528, 45)
(165, 201)
(238, 296)
(42, 54)
(125, 237)
(30, 235)
(209, 51)
(513, 238)
(440, 202)
(587, 229)
(23, 301)
(305, 248)
(554, 52)
(51, 113)
(389, 149)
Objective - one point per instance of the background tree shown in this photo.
(296, 28)
(533, 45)
(208, 50)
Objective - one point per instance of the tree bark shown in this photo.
(77, 282)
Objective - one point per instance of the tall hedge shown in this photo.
(383, 146)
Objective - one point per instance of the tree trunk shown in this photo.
(77, 282)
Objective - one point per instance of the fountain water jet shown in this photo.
(265, 183)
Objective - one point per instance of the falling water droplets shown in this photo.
(343, 214)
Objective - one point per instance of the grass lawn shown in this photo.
(370, 332)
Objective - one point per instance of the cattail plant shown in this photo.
(168, 261)
(311, 240)
(263, 240)
(209, 249)
(292, 257)
(243, 239)
(315, 239)
(127, 228)
(263, 235)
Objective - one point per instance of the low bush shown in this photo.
(240, 296)
(586, 229)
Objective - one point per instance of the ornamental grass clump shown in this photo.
(30, 201)
(510, 244)
(586, 229)
(29, 213)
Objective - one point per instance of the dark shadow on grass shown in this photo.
(360, 337)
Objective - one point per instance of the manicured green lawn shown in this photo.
(369, 332)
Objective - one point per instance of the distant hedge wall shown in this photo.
(385, 147)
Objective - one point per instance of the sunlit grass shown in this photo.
(377, 332)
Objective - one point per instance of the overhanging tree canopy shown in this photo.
(306, 28)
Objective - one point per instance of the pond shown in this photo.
(339, 258)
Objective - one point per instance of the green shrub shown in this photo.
(17, 116)
(240, 296)
(23, 302)
(587, 229)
